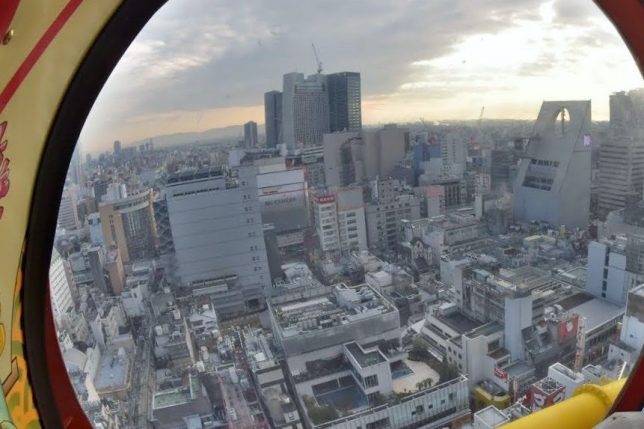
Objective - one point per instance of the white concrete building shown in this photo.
(340, 220)
(68, 211)
(613, 268)
(60, 285)
(218, 237)
(631, 338)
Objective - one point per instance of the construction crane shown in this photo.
(317, 59)
(481, 118)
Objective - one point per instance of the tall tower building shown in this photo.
(60, 284)
(129, 224)
(218, 237)
(621, 156)
(117, 148)
(553, 182)
(273, 118)
(305, 110)
(345, 113)
(68, 212)
(250, 134)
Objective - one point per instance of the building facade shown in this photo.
(129, 224)
(553, 183)
(218, 236)
(273, 118)
(305, 110)
(345, 113)
(250, 134)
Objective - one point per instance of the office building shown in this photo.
(353, 156)
(553, 183)
(631, 337)
(621, 155)
(129, 224)
(282, 199)
(615, 267)
(95, 228)
(250, 134)
(96, 262)
(345, 113)
(217, 232)
(339, 219)
(68, 217)
(305, 110)
(114, 271)
(273, 118)
(390, 204)
(60, 285)
(117, 148)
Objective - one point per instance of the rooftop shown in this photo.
(491, 416)
(458, 321)
(363, 357)
(597, 312)
(112, 373)
(342, 306)
(178, 396)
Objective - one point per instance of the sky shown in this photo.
(201, 64)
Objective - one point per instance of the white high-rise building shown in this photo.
(340, 220)
(60, 285)
(218, 237)
(68, 211)
(621, 156)
(631, 338)
(305, 110)
(614, 268)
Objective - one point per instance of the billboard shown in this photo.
(282, 199)
(568, 328)
(500, 374)
(326, 199)
(541, 397)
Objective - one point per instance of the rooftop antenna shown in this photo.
(317, 59)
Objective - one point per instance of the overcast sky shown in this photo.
(202, 64)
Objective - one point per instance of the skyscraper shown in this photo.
(621, 156)
(273, 118)
(218, 237)
(345, 112)
(60, 284)
(68, 212)
(553, 183)
(305, 110)
(250, 134)
(117, 148)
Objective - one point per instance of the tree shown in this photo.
(320, 414)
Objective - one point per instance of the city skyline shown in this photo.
(452, 62)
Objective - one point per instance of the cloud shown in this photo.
(205, 55)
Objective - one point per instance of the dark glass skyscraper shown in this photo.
(273, 117)
(345, 113)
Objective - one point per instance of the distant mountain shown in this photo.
(233, 132)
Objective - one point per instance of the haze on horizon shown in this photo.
(202, 64)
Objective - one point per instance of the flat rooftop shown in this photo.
(458, 322)
(491, 416)
(363, 358)
(487, 329)
(340, 306)
(113, 373)
(597, 312)
(178, 396)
